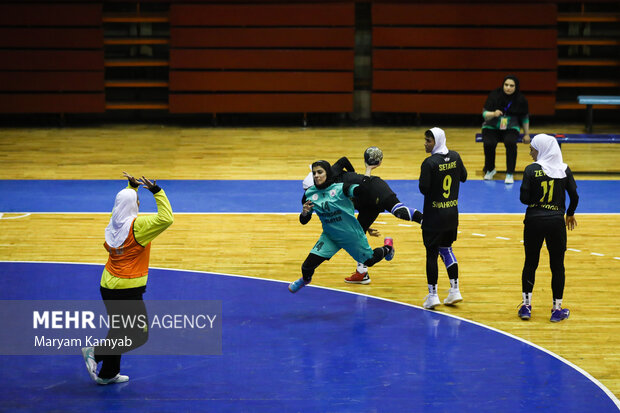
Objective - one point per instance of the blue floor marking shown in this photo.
(268, 196)
(317, 350)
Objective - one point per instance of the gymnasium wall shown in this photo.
(276, 57)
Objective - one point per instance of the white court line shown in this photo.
(573, 249)
(404, 225)
(16, 217)
(600, 385)
(504, 238)
(479, 235)
(597, 254)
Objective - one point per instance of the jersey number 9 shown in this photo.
(447, 184)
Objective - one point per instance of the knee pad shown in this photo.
(447, 256)
(402, 211)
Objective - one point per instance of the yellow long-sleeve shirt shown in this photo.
(145, 229)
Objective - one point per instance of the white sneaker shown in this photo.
(454, 296)
(509, 179)
(431, 301)
(489, 175)
(119, 378)
(89, 358)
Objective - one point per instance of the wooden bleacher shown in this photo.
(51, 58)
(261, 58)
(446, 58)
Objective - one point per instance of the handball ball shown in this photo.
(373, 156)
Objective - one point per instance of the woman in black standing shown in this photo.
(505, 112)
(543, 189)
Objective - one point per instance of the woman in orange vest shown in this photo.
(123, 282)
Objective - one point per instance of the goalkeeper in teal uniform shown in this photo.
(341, 230)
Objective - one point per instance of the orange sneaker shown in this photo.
(357, 278)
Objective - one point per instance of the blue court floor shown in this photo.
(188, 196)
(319, 350)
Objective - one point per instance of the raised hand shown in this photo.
(148, 184)
(133, 181)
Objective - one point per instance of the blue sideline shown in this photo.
(97, 196)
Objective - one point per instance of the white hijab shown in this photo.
(549, 156)
(308, 180)
(440, 142)
(123, 214)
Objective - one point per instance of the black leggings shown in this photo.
(121, 302)
(313, 261)
(553, 231)
(490, 138)
(433, 240)
(369, 213)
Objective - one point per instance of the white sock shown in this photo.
(361, 268)
(432, 289)
(527, 298)
(454, 284)
(557, 303)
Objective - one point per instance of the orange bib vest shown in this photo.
(130, 260)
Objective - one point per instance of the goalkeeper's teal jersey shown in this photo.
(337, 213)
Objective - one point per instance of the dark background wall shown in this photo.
(362, 59)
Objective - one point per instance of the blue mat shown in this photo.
(319, 350)
(267, 196)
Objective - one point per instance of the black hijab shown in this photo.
(515, 104)
(328, 173)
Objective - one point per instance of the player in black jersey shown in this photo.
(377, 198)
(440, 177)
(543, 191)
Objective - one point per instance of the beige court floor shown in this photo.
(273, 246)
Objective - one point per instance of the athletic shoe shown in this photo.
(357, 278)
(525, 312)
(296, 285)
(454, 296)
(559, 315)
(119, 378)
(89, 358)
(389, 241)
(489, 175)
(431, 301)
(510, 179)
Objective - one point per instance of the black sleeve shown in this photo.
(463, 170)
(304, 219)
(571, 188)
(490, 104)
(525, 186)
(341, 165)
(361, 191)
(425, 178)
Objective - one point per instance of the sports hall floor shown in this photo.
(332, 347)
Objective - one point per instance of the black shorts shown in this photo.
(436, 239)
(492, 136)
(381, 196)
